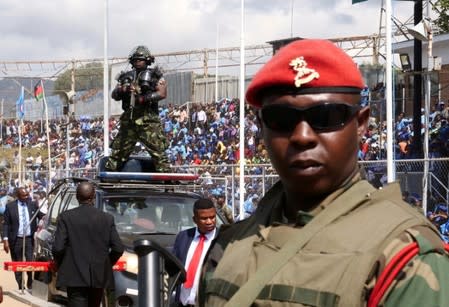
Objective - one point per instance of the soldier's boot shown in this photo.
(162, 165)
(163, 168)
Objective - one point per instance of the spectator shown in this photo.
(224, 208)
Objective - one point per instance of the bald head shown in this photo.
(85, 193)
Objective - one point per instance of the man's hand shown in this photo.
(6, 246)
(161, 88)
(123, 88)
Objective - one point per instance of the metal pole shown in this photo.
(48, 139)
(426, 120)
(417, 83)
(1, 122)
(291, 18)
(20, 152)
(264, 173)
(216, 65)
(149, 275)
(233, 189)
(67, 127)
(242, 111)
(72, 87)
(403, 99)
(391, 174)
(105, 83)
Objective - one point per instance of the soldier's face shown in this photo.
(313, 161)
(139, 64)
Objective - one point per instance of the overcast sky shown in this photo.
(73, 29)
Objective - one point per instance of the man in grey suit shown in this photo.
(86, 247)
(18, 230)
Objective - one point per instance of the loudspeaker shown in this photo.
(68, 97)
(420, 31)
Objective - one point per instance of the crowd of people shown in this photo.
(200, 136)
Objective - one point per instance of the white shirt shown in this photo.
(188, 296)
(202, 117)
(23, 227)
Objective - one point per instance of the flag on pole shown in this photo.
(20, 104)
(38, 91)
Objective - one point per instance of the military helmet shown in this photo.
(142, 53)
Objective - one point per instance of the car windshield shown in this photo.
(151, 213)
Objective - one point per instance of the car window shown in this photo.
(63, 201)
(71, 203)
(154, 213)
(54, 209)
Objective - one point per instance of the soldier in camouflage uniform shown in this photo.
(140, 90)
(322, 235)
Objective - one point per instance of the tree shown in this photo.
(88, 76)
(442, 8)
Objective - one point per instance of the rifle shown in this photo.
(135, 89)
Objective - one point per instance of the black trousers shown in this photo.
(16, 255)
(84, 296)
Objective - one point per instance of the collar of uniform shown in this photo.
(270, 210)
(303, 217)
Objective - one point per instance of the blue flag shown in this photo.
(20, 105)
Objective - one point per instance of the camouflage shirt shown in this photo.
(420, 282)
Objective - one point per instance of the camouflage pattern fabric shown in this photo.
(144, 127)
(422, 282)
(425, 279)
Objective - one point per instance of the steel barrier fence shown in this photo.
(223, 179)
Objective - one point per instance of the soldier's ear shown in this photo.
(362, 121)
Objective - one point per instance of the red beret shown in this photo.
(307, 66)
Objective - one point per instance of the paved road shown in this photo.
(8, 282)
(12, 296)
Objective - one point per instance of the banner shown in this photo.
(38, 91)
(20, 104)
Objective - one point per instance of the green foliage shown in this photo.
(442, 7)
(89, 76)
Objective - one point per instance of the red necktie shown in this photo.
(193, 266)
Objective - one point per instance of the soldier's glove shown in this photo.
(123, 88)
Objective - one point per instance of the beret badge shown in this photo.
(303, 73)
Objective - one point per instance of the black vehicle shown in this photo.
(144, 205)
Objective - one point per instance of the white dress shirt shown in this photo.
(188, 296)
(23, 209)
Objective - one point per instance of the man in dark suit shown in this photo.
(19, 225)
(191, 246)
(86, 247)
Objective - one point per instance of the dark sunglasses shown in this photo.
(323, 117)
